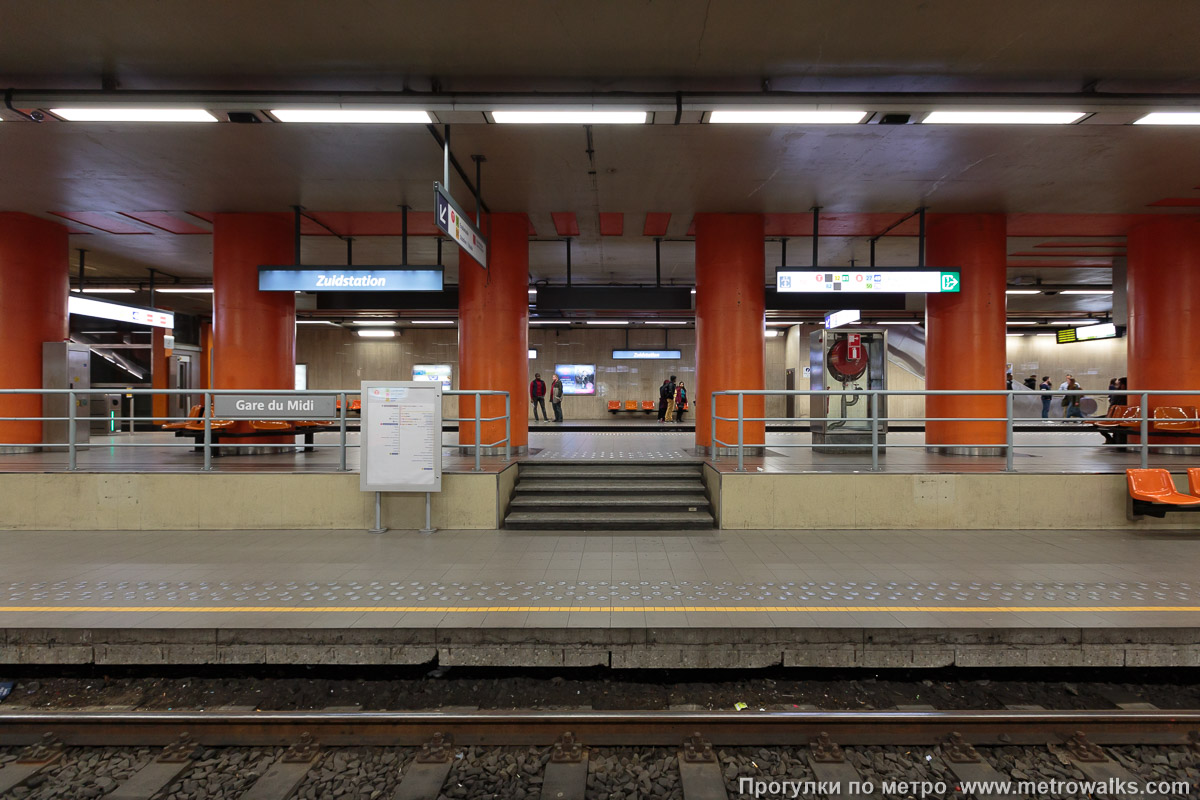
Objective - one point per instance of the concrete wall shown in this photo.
(930, 502)
(96, 501)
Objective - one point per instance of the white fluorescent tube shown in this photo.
(551, 117)
(1170, 118)
(766, 116)
(133, 114)
(376, 334)
(352, 115)
(1003, 117)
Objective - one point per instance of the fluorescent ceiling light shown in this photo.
(549, 322)
(356, 115)
(533, 291)
(1003, 117)
(552, 117)
(1074, 323)
(606, 322)
(1022, 291)
(1018, 322)
(770, 334)
(1045, 334)
(133, 114)
(1170, 118)
(1087, 291)
(898, 322)
(107, 291)
(669, 322)
(784, 323)
(187, 290)
(1014, 334)
(767, 116)
(313, 322)
(376, 334)
(432, 322)
(374, 322)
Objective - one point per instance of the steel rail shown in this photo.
(599, 728)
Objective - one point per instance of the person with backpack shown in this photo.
(664, 399)
(556, 395)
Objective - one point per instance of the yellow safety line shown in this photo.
(579, 609)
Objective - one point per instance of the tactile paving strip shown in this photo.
(592, 593)
(618, 446)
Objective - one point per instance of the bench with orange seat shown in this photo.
(1152, 492)
(1164, 421)
(618, 407)
(193, 413)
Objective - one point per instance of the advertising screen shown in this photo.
(433, 372)
(577, 378)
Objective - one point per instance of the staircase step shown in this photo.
(609, 520)
(555, 502)
(651, 471)
(608, 485)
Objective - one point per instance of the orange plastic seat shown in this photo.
(356, 405)
(281, 425)
(215, 425)
(648, 405)
(314, 423)
(631, 405)
(614, 405)
(1194, 481)
(1182, 418)
(1156, 486)
(1132, 418)
(194, 413)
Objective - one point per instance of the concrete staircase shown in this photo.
(574, 495)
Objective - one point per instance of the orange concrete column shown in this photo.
(33, 309)
(493, 330)
(964, 331)
(254, 333)
(730, 318)
(1164, 310)
(206, 358)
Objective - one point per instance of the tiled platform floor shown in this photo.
(838, 598)
(1056, 450)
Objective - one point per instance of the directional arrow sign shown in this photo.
(452, 222)
(949, 281)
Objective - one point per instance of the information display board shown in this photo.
(119, 312)
(401, 436)
(1087, 333)
(433, 372)
(639, 355)
(877, 280)
(577, 378)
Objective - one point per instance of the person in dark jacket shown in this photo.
(1046, 386)
(556, 395)
(537, 395)
(681, 401)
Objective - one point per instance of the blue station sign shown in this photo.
(350, 279)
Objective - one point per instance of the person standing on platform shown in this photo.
(1046, 386)
(1071, 401)
(556, 395)
(681, 401)
(664, 399)
(537, 395)
(1031, 382)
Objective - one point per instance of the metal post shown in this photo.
(428, 515)
(152, 272)
(507, 427)
(921, 237)
(872, 252)
(1008, 432)
(349, 251)
(296, 234)
(741, 467)
(712, 418)
(208, 410)
(568, 262)
(404, 234)
(82, 262)
(478, 428)
(1145, 430)
(783, 252)
(378, 517)
(874, 401)
(657, 263)
(342, 431)
(816, 232)
(478, 184)
(446, 158)
(72, 457)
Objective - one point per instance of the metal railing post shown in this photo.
(741, 467)
(342, 431)
(1145, 430)
(712, 418)
(1008, 432)
(507, 426)
(478, 428)
(873, 399)
(72, 455)
(208, 412)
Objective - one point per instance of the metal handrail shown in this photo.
(1009, 419)
(206, 444)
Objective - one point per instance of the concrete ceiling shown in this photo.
(891, 46)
